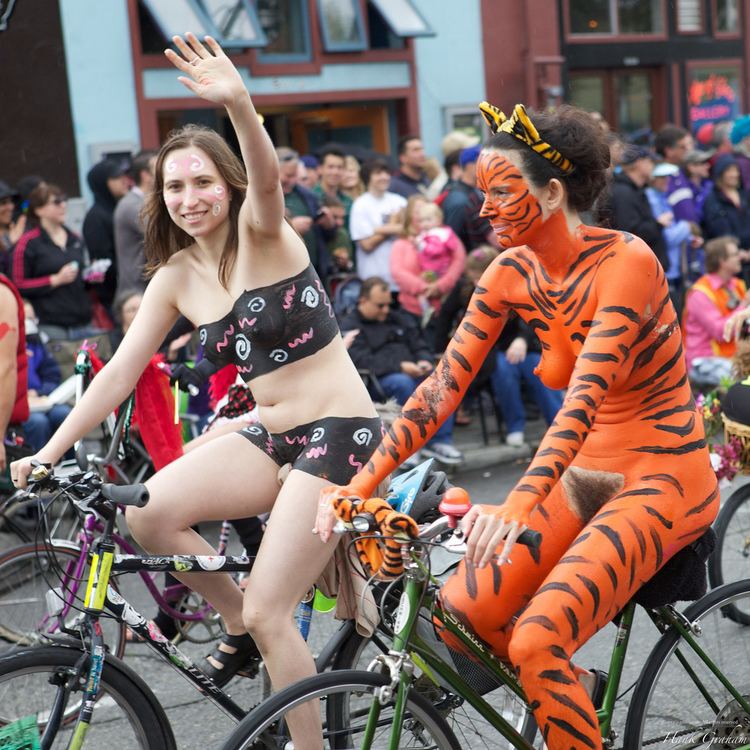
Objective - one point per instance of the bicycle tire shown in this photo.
(465, 723)
(23, 585)
(261, 727)
(668, 705)
(732, 551)
(120, 688)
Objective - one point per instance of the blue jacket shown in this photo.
(44, 374)
(677, 233)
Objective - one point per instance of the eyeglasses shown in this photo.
(381, 305)
(58, 200)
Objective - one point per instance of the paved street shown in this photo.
(198, 725)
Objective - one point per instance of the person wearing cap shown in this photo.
(109, 182)
(410, 178)
(679, 235)
(740, 138)
(630, 208)
(688, 190)
(10, 231)
(462, 204)
(726, 210)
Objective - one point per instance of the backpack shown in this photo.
(346, 295)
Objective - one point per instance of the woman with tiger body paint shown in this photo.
(622, 479)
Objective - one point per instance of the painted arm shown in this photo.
(8, 363)
(213, 77)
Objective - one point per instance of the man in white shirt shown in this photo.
(376, 220)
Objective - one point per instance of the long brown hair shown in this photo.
(163, 238)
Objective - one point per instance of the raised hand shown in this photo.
(211, 75)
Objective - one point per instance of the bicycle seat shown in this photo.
(682, 578)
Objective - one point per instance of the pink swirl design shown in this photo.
(229, 332)
(301, 440)
(244, 322)
(325, 297)
(289, 297)
(317, 452)
(301, 339)
(353, 462)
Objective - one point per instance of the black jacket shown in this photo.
(99, 229)
(631, 212)
(722, 217)
(381, 347)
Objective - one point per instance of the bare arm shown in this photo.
(211, 75)
(117, 379)
(8, 363)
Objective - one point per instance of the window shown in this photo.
(341, 25)
(616, 17)
(689, 16)
(232, 23)
(727, 16)
(287, 27)
(403, 18)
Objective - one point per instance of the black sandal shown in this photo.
(600, 684)
(243, 660)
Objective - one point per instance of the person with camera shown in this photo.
(716, 298)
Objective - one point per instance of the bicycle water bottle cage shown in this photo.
(455, 504)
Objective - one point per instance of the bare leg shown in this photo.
(289, 561)
(228, 477)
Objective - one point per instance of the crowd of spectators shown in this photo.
(412, 240)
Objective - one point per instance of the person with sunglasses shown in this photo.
(47, 263)
(10, 230)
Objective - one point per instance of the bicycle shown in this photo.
(688, 695)
(730, 560)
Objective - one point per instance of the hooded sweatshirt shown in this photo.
(98, 226)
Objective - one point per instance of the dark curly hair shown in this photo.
(578, 137)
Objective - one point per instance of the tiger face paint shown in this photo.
(195, 194)
(510, 203)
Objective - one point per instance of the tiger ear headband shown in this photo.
(519, 125)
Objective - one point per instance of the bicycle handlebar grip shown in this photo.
(126, 494)
(530, 538)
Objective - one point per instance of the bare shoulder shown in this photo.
(8, 302)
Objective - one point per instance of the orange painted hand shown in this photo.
(486, 526)
(326, 517)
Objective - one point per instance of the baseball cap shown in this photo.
(309, 161)
(665, 169)
(469, 155)
(6, 191)
(633, 153)
(697, 156)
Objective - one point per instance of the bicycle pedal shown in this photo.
(251, 669)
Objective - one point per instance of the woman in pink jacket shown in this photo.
(427, 260)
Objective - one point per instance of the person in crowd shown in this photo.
(682, 239)
(339, 245)
(331, 176)
(376, 221)
(47, 264)
(740, 138)
(214, 229)
(109, 182)
(462, 204)
(309, 171)
(630, 209)
(710, 303)
(351, 182)
(450, 147)
(303, 210)
(410, 177)
(588, 489)
(726, 210)
(720, 138)
(128, 225)
(43, 376)
(673, 144)
(14, 404)
(688, 198)
(10, 229)
(391, 347)
(426, 261)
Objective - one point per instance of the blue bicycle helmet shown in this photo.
(418, 492)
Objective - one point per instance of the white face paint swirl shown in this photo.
(203, 336)
(171, 166)
(216, 210)
(310, 296)
(279, 355)
(242, 347)
(253, 429)
(219, 190)
(362, 436)
(317, 434)
(256, 304)
(196, 163)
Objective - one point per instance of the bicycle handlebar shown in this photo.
(126, 494)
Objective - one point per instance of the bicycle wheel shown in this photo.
(126, 709)
(26, 573)
(470, 727)
(730, 560)
(345, 695)
(678, 701)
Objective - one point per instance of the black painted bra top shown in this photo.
(271, 326)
